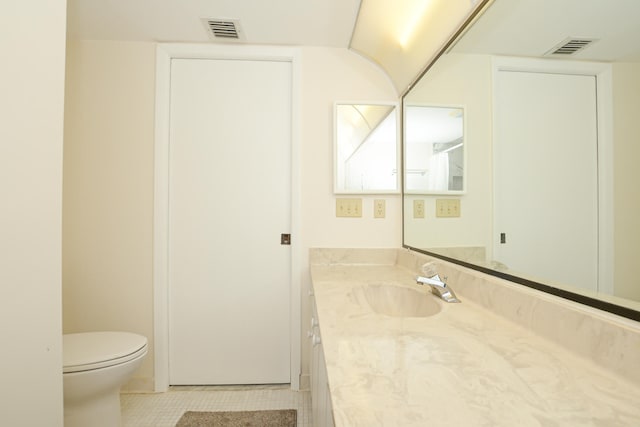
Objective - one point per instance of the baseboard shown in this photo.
(305, 382)
(139, 385)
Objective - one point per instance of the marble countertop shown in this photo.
(463, 366)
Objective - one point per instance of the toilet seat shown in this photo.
(94, 350)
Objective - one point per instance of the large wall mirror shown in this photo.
(366, 148)
(551, 96)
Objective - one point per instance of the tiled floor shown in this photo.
(164, 409)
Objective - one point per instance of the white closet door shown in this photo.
(546, 176)
(229, 203)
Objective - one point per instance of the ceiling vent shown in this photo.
(570, 46)
(223, 29)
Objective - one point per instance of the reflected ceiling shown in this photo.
(613, 23)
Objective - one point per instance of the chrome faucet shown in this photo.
(438, 287)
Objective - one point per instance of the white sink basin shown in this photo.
(400, 301)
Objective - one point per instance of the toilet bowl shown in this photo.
(95, 366)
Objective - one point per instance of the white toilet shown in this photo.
(95, 366)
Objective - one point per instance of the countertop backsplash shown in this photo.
(609, 340)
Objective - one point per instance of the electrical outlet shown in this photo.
(379, 208)
(418, 208)
(349, 208)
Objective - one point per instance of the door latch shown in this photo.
(285, 239)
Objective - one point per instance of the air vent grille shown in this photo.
(570, 46)
(227, 29)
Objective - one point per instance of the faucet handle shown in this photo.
(429, 269)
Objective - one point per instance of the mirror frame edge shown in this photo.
(606, 306)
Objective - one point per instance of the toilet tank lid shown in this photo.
(88, 348)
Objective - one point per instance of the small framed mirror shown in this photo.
(366, 154)
(434, 149)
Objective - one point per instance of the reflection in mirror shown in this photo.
(434, 149)
(476, 71)
(366, 148)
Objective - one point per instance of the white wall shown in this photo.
(32, 42)
(331, 75)
(108, 206)
(108, 191)
(626, 98)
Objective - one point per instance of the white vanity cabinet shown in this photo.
(321, 409)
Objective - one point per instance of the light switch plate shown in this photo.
(447, 208)
(349, 208)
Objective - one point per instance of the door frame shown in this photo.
(165, 53)
(604, 105)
